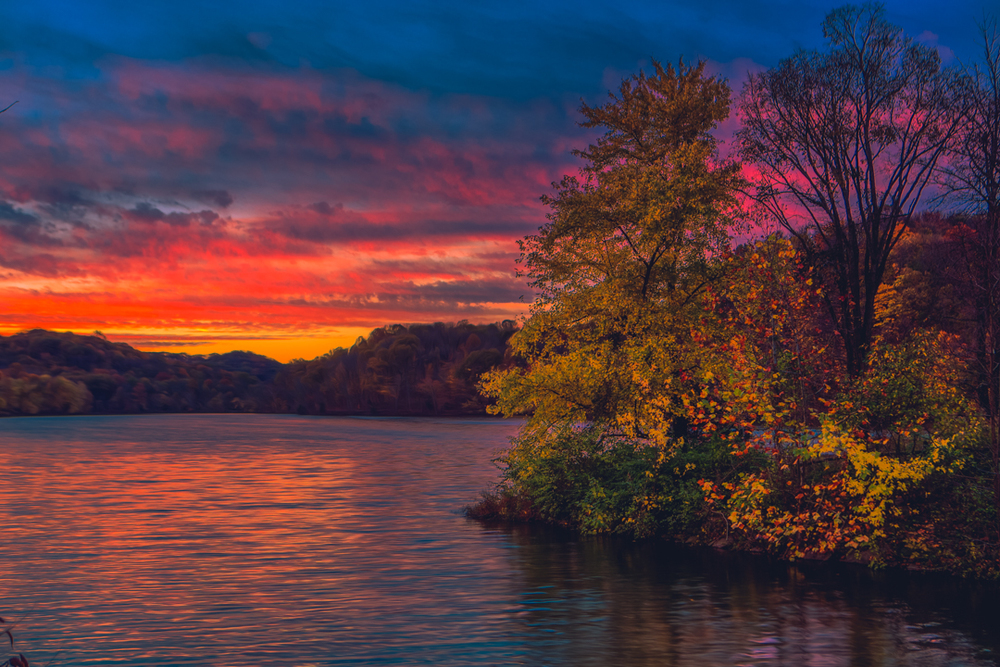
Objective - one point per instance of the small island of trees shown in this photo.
(792, 350)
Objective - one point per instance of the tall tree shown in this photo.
(972, 179)
(846, 142)
(651, 200)
(624, 258)
(614, 344)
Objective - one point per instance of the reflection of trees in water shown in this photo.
(606, 601)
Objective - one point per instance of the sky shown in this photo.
(283, 177)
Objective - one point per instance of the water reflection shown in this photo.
(283, 540)
(586, 600)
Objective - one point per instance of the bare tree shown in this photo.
(846, 143)
(972, 180)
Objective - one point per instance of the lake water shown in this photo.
(230, 540)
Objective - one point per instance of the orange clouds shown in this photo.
(251, 285)
(172, 205)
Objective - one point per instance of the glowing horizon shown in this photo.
(268, 180)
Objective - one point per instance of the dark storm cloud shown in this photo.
(470, 295)
(10, 213)
(219, 198)
(19, 226)
(39, 264)
(331, 225)
(323, 208)
(31, 234)
(200, 135)
(146, 212)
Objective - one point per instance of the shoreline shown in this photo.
(493, 509)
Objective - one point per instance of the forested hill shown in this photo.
(415, 370)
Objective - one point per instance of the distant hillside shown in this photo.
(43, 372)
(421, 369)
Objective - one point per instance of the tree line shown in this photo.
(790, 350)
(397, 370)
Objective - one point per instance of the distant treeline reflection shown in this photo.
(398, 370)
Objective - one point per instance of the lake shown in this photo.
(230, 540)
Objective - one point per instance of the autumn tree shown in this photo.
(622, 268)
(627, 249)
(972, 180)
(845, 143)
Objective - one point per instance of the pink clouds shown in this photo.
(309, 132)
(178, 199)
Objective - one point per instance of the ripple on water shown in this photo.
(276, 539)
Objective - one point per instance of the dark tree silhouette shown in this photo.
(845, 143)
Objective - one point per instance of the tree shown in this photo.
(626, 252)
(622, 268)
(845, 143)
(972, 179)
(652, 201)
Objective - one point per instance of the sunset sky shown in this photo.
(283, 176)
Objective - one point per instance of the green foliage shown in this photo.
(42, 394)
(910, 393)
(584, 478)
